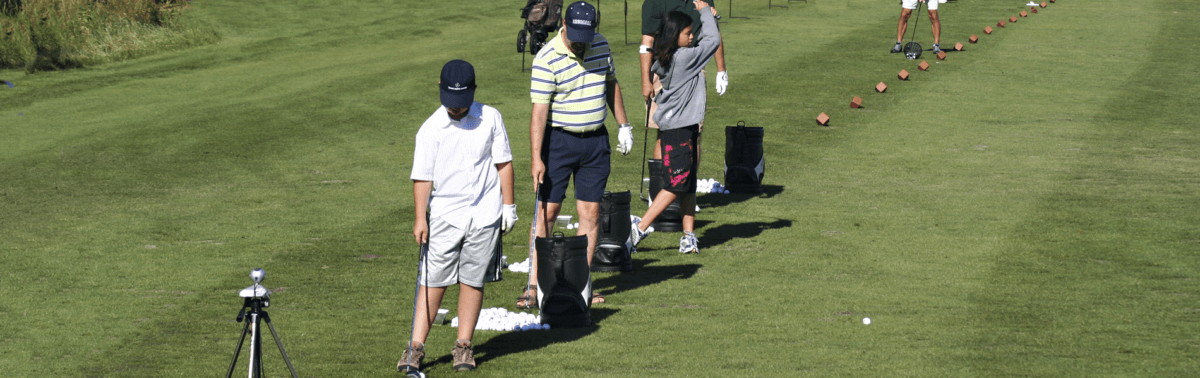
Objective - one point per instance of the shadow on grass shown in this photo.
(717, 200)
(724, 233)
(643, 275)
(518, 342)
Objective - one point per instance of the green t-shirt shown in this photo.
(653, 12)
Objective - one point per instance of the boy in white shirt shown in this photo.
(462, 174)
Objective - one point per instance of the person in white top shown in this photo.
(906, 8)
(462, 175)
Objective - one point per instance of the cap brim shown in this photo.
(581, 34)
(460, 99)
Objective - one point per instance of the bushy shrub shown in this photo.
(59, 34)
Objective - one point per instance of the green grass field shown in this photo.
(1027, 207)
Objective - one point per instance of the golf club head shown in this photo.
(414, 374)
(912, 50)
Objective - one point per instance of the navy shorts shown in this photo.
(679, 159)
(584, 155)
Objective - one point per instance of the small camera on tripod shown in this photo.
(256, 299)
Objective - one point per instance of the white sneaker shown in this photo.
(636, 235)
(688, 243)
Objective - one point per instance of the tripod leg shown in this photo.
(238, 351)
(280, 344)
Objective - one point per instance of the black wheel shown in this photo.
(522, 37)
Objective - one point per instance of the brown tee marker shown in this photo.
(958, 46)
(987, 30)
(941, 55)
(1024, 14)
(903, 75)
(881, 87)
(1012, 19)
(823, 120)
(1043, 4)
(856, 102)
(924, 66)
(1001, 23)
(974, 38)
(1033, 9)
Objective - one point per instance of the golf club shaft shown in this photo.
(416, 296)
(645, 140)
(532, 238)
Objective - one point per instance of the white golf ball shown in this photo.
(866, 320)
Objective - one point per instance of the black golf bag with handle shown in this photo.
(745, 164)
(564, 281)
(614, 227)
(542, 17)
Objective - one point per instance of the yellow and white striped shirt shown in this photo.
(573, 87)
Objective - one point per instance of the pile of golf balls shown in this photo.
(710, 186)
(572, 226)
(521, 267)
(500, 319)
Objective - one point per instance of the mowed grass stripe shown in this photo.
(1098, 278)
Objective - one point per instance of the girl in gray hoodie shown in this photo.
(680, 110)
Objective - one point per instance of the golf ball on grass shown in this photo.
(866, 320)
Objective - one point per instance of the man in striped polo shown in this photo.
(573, 83)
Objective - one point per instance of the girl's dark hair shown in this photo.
(667, 40)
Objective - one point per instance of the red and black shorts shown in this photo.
(679, 159)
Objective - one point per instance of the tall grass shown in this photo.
(59, 34)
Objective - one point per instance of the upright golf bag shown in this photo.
(744, 161)
(671, 219)
(611, 253)
(563, 280)
(542, 17)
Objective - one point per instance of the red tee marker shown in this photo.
(881, 87)
(974, 38)
(1024, 14)
(823, 120)
(903, 75)
(856, 102)
(1001, 23)
(1012, 19)
(1043, 4)
(958, 46)
(924, 66)
(941, 55)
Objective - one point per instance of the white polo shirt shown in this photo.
(460, 158)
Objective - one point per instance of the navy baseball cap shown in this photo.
(581, 22)
(457, 84)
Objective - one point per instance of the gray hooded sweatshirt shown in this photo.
(683, 98)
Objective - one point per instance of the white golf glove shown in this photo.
(722, 82)
(625, 139)
(509, 216)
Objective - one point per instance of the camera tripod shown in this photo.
(252, 325)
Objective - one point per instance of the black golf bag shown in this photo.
(671, 219)
(563, 280)
(542, 17)
(611, 252)
(745, 164)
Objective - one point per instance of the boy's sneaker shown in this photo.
(636, 235)
(688, 243)
(937, 48)
(464, 357)
(412, 364)
(896, 48)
